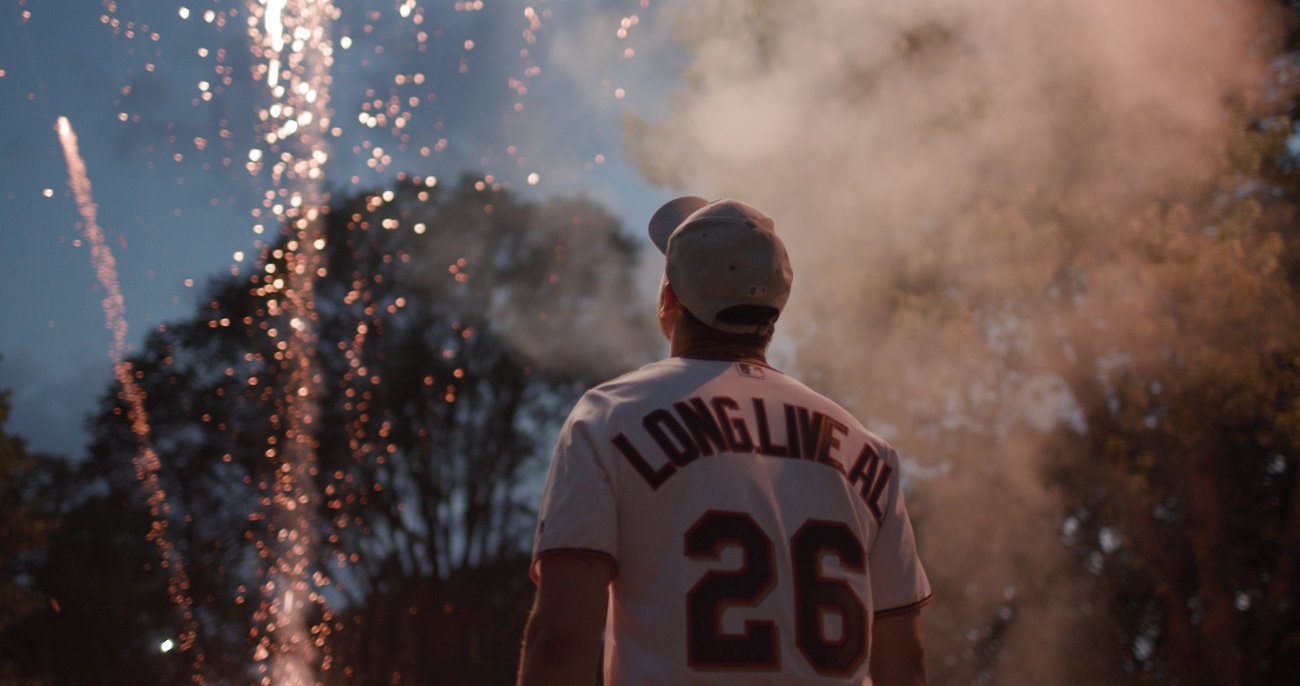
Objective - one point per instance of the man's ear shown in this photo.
(669, 310)
(669, 304)
(668, 301)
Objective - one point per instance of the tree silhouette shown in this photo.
(1185, 494)
(29, 517)
(454, 327)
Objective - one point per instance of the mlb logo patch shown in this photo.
(752, 371)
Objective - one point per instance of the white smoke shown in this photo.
(939, 168)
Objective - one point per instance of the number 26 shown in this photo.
(756, 647)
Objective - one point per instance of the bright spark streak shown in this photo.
(294, 41)
(274, 24)
(146, 463)
(275, 33)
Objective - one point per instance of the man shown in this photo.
(713, 520)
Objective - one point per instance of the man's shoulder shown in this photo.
(625, 388)
(645, 380)
(660, 381)
(842, 413)
(675, 378)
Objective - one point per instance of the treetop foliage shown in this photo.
(451, 329)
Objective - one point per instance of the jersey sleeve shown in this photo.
(578, 514)
(898, 581)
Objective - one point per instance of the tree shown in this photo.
(453, 328)
(107, 612)
(26, 523)
(76, 577)
(1186, 492)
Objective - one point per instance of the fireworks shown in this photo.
(146, 460)
(294, 40)
(393, 119)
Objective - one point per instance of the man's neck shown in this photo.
(684, 346)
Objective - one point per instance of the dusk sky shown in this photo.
(163, 100)
(1045, 249)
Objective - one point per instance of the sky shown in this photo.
(932, 144)
(163, 98)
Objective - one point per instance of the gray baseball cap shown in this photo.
(719, 254)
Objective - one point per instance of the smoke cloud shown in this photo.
(956, 181)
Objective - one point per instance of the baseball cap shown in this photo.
(720, 254)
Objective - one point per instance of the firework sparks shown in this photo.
(395, 118)
(294, 40)
(145, 463)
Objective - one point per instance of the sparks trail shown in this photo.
(146, 464)
(291, 45)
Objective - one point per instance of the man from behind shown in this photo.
(710, 520)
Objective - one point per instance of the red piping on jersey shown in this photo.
(904, 609)
(575, 552)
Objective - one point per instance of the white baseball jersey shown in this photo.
(755, 527)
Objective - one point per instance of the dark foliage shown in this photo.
(449, 333)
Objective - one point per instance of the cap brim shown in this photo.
(667, 218)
